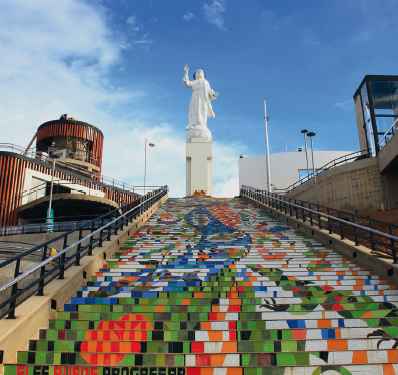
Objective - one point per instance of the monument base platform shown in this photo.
(199, 160)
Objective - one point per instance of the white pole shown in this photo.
(313, 168)
(51, 196)
(267, 148)
(146, 140)
(306, 153)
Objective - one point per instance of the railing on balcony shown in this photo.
(108, 181)
(357, 155)
(388, 134)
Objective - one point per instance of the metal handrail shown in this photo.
(388, 131)
(63, 219)
(42, 227)
(327, 166)
(105, 232)
(344, 227)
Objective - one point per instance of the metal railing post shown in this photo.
(14, 290)
(40, 291)
(79, 246)
(116, 226)
(355, 231)
(393, 249)
(341, 227)
(90, 248)
(371, 237)
(108, 233)
(63, 256)
(101, 233)
(319, 218)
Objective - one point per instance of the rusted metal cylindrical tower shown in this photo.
(81, 141)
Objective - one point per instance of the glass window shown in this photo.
(368, 120)
(385, 99)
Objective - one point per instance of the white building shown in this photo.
(286, 167)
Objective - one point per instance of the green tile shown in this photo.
(40, 358)
(289, 346)
(179, 360)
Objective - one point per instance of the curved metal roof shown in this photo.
(70, 122)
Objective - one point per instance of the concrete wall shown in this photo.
(348, 187)
(388, 155)
(285, 167)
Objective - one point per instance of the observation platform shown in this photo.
(216, 286)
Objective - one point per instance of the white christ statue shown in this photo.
(200, 107)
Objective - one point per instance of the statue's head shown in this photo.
(199, 74)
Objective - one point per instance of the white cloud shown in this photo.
(274, 22)
(48, 68)
(225, 169)
(347, 106)
(213, 13)
(310, 39)
(134, 23)
(187, 17)
(134, 26)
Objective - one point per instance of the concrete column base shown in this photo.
(199, 165)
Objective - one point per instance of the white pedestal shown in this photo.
(199, 159)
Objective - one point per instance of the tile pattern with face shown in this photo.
(215, 286)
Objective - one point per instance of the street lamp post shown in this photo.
(312, 134)
(267, 148)
(54, 157)
(304, 131)
(150, 145)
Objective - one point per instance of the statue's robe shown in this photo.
(200, 107)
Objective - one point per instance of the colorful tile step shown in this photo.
(217, 287)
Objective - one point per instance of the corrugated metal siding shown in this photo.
(12, 174)
(72, 129)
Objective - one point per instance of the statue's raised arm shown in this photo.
(200, 107)
(186, 79)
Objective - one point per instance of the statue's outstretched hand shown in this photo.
(186, 68)
(216, 94)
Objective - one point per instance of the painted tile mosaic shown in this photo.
(217, 287)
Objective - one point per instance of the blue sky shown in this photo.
(119, 66)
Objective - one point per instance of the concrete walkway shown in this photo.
(216, 286)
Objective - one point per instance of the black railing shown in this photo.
(43, 227)
(359, 229)
(357, 155)
(390, 132)
(42, 275)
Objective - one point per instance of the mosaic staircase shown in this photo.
(216, 286)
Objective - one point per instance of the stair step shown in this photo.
(217, 287)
